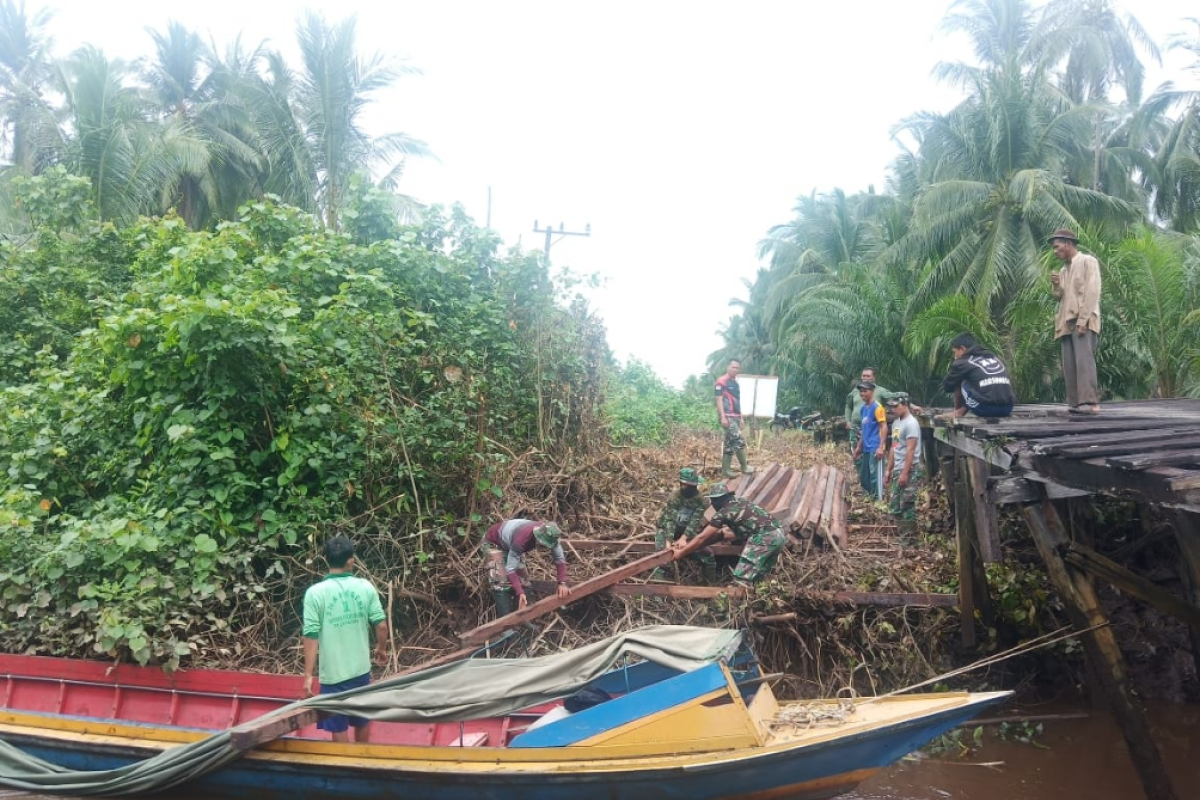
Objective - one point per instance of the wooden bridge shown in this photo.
(1050, 463)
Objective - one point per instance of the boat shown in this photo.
(690, 716)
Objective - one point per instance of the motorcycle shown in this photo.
(795, 419)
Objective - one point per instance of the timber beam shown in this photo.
(1100, 645)
(1088, 560)
(554, 602)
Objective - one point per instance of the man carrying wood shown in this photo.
(507, 543)
(683, 517)
(742, 521)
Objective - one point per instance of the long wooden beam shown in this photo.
(1089, 560)
(682, 592)
(553, 602)
(1101, 648)
(639, 547)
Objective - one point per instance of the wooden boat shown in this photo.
(716, 731)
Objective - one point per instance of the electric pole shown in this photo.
(549, 231)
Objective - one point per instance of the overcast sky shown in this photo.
(680, 131)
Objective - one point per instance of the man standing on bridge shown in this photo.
(1077, 324)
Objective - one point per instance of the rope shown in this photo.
(812, 714)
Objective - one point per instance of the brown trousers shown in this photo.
(1079, 368)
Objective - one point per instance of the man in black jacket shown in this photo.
(978, 380)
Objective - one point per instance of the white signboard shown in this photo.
(759, 393)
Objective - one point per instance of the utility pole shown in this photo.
(549, 231)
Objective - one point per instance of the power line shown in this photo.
(561, 232)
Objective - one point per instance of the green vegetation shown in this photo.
(184, 410)
(1053, 131)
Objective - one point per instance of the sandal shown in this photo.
(1087, 410)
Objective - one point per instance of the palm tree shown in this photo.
(113, 140)
(993, 168)
(1176, 181)
(312, 120)
(207, 128)
(28, 125)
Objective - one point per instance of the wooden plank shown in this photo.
(987, 523)
(773, 487)
(964, 534)
(642, 548)
(682, 592)
(1009, 489)
(998, 455)
(916, 599)
(1162, 458)
(1120, 444)
(258, 732)
(1101, 648)
(553, 602)
(839, 529)
(673, 590)
(825, 523)
(1130, 582)
(1186, 528)
(754, 483)
(1082, 425)
(800, 513)
(782, 507)
(812, 516)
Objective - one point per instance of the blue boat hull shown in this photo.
(814, 770)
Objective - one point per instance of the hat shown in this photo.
(718, 489)
(689, 476)
(1064, 233)
(547, 534)
(866, 385)
(898, 399)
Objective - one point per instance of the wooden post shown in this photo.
(987, 524)
(1187, 535)
(1101, 648)
(964, 532)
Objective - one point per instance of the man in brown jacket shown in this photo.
(1077, 323)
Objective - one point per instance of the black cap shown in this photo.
(867, 385)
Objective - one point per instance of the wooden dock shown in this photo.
(1144, 451)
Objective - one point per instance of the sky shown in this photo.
(679, 131)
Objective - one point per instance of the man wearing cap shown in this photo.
(869, 452)
(683, 517)
(1077, 323)
(743, 521)
(905, 471)
(729, 412)
(507, 543)
(978, 380)
(854, 406)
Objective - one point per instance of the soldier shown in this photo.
(747, 522)
(683, 517)
(729, 414)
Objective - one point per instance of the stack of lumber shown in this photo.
(806, 502)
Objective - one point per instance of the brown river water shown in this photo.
(1074, 758)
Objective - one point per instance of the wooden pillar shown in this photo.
(1187, 535)
(1101, 648)
(987, 523)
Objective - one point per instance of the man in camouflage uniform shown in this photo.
(683, 517)
(729, 414)
(745, 521)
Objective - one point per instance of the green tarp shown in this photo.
(460, 691)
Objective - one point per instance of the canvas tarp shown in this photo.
(454, 692)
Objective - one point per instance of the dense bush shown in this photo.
(184, 410)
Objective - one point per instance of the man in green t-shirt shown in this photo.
(339, 613)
